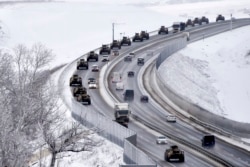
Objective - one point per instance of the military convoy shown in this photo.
(122, 113)
(105, 49)
(82, 64)
(115, 44)
(174, 154)
(92, 56)
(75, 81)
(220, 18)
(125, 41)
(163, 30)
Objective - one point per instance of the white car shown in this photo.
(92, 85)
(161, 140)
(171, 118)
(95, 68)
(119, 86)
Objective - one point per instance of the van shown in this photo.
(129, 95)
(208, 140)
(116, 77)
(119, 86)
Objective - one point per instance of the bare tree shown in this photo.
(26, 101)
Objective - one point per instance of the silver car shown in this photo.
(161, 140)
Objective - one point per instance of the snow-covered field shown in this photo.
(73, 28)
(214, 73)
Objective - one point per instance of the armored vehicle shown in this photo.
(174, 154)
(189, 23)
(125, 41)
(208, 141)
(140, 61)
(204, 20)
(196, 21)
(82, 64)
(75, 81)
(163, 30)
(84, 99)
(122, 113)
(92, 56)
(144, 35)
(105, 49)
(220, 18)
(79, 91)
(137, 37)
(115, 44)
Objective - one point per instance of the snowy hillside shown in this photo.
(214, 73)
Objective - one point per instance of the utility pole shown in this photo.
(113, 29)
(231, 25)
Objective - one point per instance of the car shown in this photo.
(161, 140)
(132, 54)
(140, 61)
(144, 98)
(128, 58)
(115, 53)
(208, 140)
(129, 95)
(95, 68)
(105, 58)
(92, 85)
(171, 118)
(131, 73)
(119, 86)
(91, 80)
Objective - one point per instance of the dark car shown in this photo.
(208, 141)
(129, 95)
(128, 58)
(140, 61)
(131, 74)
(144, 98)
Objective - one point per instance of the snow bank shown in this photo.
(214, 74)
